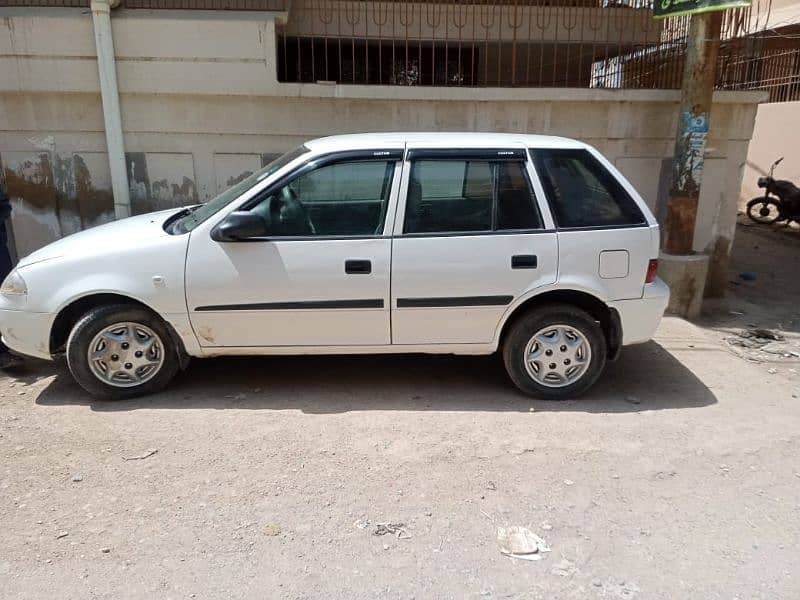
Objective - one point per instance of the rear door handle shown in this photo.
(524, 261)
(358, 267)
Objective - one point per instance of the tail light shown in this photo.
(652, 270)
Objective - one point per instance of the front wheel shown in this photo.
(121, 351)
(555, 352)
(764, 210)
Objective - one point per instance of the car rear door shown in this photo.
(605, 238)
(469, 239)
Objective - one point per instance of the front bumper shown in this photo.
(640, 317)
(27, 333)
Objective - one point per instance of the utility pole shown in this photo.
(109, 95)
(699, 75)
(685, 271)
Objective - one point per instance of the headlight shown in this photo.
(14, 285)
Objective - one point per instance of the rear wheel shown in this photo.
(764, 210)
(121, 351)
(555, 352)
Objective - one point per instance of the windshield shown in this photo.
(193, 216)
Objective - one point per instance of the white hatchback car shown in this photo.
(374, 243)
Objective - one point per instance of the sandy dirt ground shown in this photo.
(676, 477)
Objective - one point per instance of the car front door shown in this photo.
(320, 275)
(470, 239)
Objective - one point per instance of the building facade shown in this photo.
(211, 90)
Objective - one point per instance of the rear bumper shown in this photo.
(640, 317)
(26, 333)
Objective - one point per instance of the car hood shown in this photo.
(133, 231)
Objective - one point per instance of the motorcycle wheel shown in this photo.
(764, 210)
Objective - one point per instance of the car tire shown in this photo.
(575, 369)
(141, 327)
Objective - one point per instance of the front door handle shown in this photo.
(358, 267)
(524, 261)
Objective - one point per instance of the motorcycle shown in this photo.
(780, 202)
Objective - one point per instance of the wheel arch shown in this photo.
(607, 316)
(70, 313)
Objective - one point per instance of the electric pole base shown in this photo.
(686, 278)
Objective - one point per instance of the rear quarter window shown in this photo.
(582, 193)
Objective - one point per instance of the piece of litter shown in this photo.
(62, 534)
(105, 550)
(491, 486)
(632, 400)
(77, 477)
(521, 542)
(361, 523)
(568, 482)
(271, 530)
(764, 334)
(772, 371)
(147, 454)
(397, 529)
(546, 526)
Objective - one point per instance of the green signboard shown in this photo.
(672, 8)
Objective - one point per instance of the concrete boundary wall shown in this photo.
(201, 108)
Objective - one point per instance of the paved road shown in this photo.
(677, 477)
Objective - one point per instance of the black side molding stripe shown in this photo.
(308, 305)
(450, 302)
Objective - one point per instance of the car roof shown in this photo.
(465, 139)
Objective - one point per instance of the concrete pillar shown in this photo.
(109, 93)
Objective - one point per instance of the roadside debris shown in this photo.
(755, 337)
(764, 340)
(147, 454)
(105, 550)
(384, 528)
(396, 529)
(632, 400)
(521, 542)
(77, 477)
(767, 334)
(62, 534)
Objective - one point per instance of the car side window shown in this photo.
(453, 196)
(581, 192)
(347, 198)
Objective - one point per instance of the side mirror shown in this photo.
(239, 225)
